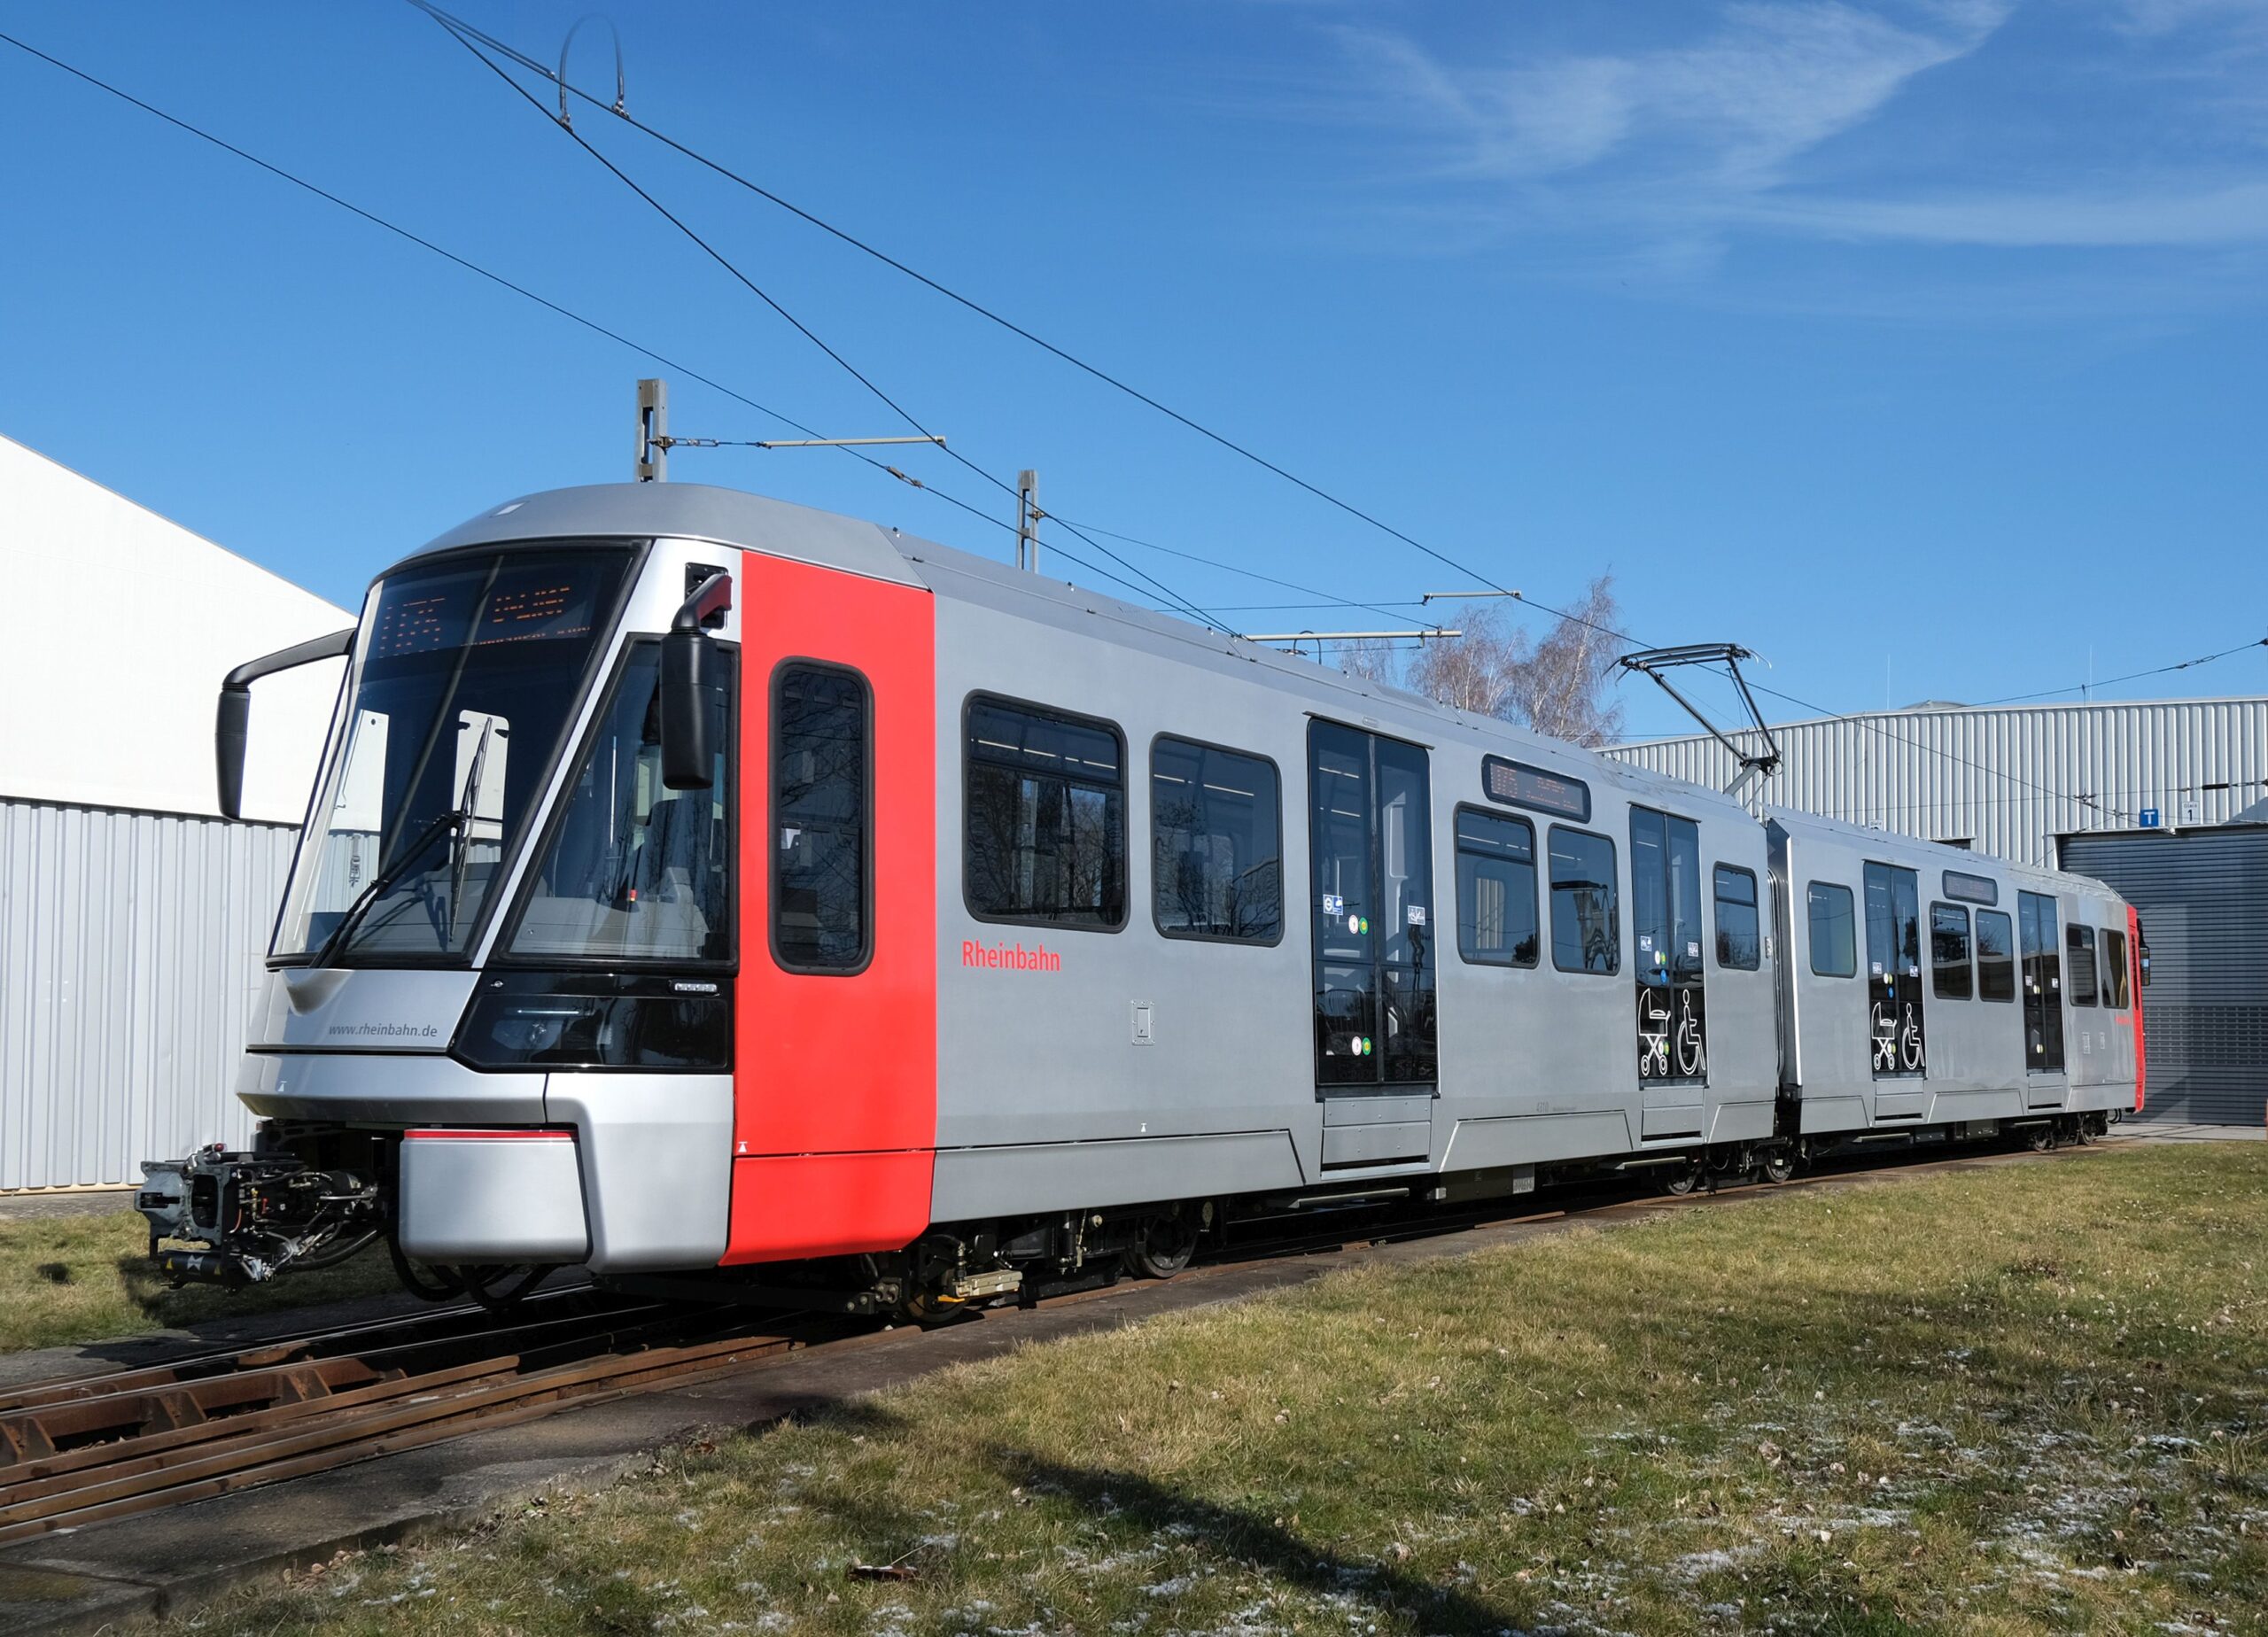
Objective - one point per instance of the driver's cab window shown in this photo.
(350, 845)
(633, 870)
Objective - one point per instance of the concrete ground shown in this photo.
(2182, 1131)
(61, 1202)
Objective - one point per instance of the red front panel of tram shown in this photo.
(835, 1075)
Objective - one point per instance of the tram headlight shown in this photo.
(527, 1031)
(535, 1020)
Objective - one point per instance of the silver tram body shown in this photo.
(892, 917)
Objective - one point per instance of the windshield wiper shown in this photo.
(384, 881)
(461, 843)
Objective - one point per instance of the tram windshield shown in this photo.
(466, 676)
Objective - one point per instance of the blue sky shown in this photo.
(1918, 346)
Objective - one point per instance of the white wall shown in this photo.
(116, 627)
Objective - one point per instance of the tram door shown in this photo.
(1673, 1014)
(1375, 936)
(1898, 1047)
(2043, 985)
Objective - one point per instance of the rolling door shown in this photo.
(2203, 897)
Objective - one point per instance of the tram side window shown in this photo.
(1834, 930)
(1949, 952)
(1996, 956)
(2117, 990)
(1216, 849)
(1740, 942)
(1586, 925)
(1043, 825)
(1495, 890)
(2079, 943)
(820, 796)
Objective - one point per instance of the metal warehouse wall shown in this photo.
(2008, 780)
(2203, 900)
(130, 946)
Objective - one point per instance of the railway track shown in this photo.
(83, 1451)
(80, 1451)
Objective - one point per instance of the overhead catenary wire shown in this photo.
(1383, 606)
(2131, 676)
(1858, 718)
(621, 113)
(464, 35)
(467, 31)
(467, 265)
(1175, 602)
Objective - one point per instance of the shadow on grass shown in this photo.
(1139, 1510)
(1245, 1540)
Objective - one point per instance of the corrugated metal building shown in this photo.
(133, 920)
(2007, 780)
(2203, 898)
(2151, 798)
(129, 956)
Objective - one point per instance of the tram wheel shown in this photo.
(1778, 1164)
(932, 1308)
(1165, 1247)
(1684, 1181)
(2040, 1138)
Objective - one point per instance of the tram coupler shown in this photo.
(249, 1216)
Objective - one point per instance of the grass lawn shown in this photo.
(86, 1276)
(2025, 1400)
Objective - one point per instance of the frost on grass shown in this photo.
(1747, 1421)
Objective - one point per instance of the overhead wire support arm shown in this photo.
(792, 443)
(1427, 633)
(1653, 661)
(1295, 638)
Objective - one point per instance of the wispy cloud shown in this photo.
(1768, 83)
(1779, 119)
(2140, 218)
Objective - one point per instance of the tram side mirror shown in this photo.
(689, 674)
(232, 722)
(232, 725)
(687, 668)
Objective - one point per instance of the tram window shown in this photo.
(1216, 851)
(821, 785)
(2117, 986)
(1949, 965)
(1043, 821)
(1495, 890)
(1834, 930)
(1376, 926)
(2079, 943)
(1740, 942)
(1666, 896)
(1586, 927)
(632, 870)
(1996, 956)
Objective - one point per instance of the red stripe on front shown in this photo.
(2134, 994)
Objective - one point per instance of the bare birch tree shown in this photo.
(1560, 686)
(1371, 659)
(1474, 672)
(1562, 689)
